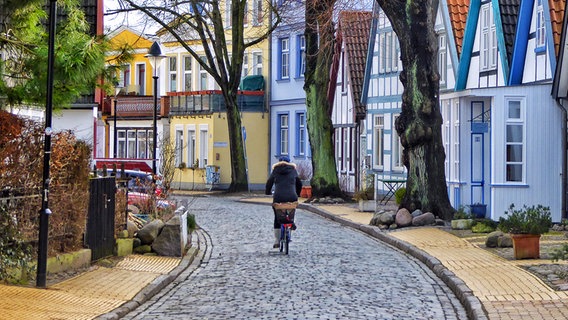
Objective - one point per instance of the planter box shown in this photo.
(367, 205)
(526, 246)
(306, 192)
(479, 210)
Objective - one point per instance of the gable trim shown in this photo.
(467, 47)
(500, 39)
(521, 42)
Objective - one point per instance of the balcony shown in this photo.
(210, 101)
(135, 107)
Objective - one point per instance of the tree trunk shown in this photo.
(420, 123)
(319, 52)
(239, 179)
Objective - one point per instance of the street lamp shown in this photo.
(155, 56)
(115, 146)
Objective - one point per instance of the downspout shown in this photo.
(564, 111)
(268, 95)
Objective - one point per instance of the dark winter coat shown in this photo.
(287, 184)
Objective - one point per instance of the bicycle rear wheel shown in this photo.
(282, 238)
(286, 240)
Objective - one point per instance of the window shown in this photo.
(540, 30)
(388, 52)
(455, 134)
(302, 134)
(338, 151)
(245, 70)
(442, 58)
(190, 148)
(187, 65)
(345, 149)
(343, 72)
(202, 75)
(124, 77)
(354, 149)
(488, 49)
(258, 12)
(228, 14)
(134, 143)
(257, 63)
(301, 56)
(203, 147)
(141, 78)
(284, 58)
(283, 134)
(245, 17)
(179, 147)
(172, 73)
(142, 144)
(445, 110)
(378, 141)
(397, 163)
(514, 141)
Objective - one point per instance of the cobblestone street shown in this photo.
(332, 272)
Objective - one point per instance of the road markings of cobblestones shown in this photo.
(332, 272)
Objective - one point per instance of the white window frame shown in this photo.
(378, 141)
(124, 77)
(203, 75)
(397, 163)
(258, 13)
(302, 56)
(442, 58)
(388, 52)
(540, 29)
(187, 73)
(284, 58)
(515, 120)
(191, 145)
(455, 142)
(302, 134)
(245, 69)
(284, 127)
(178, 146)
(172, 73)
(257, 63)
(488, 43)
(203, 146)
(121, 143)
(445, 110)
(228, 14)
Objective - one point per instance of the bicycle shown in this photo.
(285, 213)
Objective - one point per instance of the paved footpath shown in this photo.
(332, 272)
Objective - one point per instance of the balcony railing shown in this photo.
(134, 106)
(209, 101)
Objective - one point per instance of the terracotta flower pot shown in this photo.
(306, 192)
(526, 246)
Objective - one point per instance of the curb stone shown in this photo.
(470, 302)
(156, 285)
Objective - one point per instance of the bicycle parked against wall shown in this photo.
(285, 213)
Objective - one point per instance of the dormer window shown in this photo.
(488, 45)
(540, 30)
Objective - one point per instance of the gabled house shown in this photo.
(501, 122)
(198, 127)
(346, 85)
(125, 130)
(288, 130)
(382, 95)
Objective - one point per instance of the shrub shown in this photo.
(14, 252)
(191, 224)
(483, 226)
(399, 195)
(560, 254)
(528, 220)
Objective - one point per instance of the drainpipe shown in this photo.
(564, 111)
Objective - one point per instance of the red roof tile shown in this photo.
(556, 17)
(458, 10)
(354, 28)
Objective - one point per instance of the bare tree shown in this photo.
(203, 21)
(419, 124)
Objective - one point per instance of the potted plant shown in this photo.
(365, 198)
(478, 210)
(525, 226)
(304, 170)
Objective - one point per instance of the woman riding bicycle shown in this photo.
(287, 188)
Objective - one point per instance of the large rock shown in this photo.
(505, 241)
(168, 242)
(132, 228)
(149, 232)
(462, 224)
(387, 218)
(492, 240)
(425, 219)
(403, 218)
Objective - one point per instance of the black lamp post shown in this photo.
(115, 146)
(45, 212)
(155, 56)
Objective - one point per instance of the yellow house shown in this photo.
(197, 115)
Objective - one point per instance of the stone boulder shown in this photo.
(403, 218)
(505, 241)
(417, 213)
(492, 239)
(425, 219)
(168, 242)
(462, 224)
(149, 232)
(387, 217)
(132, 228)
